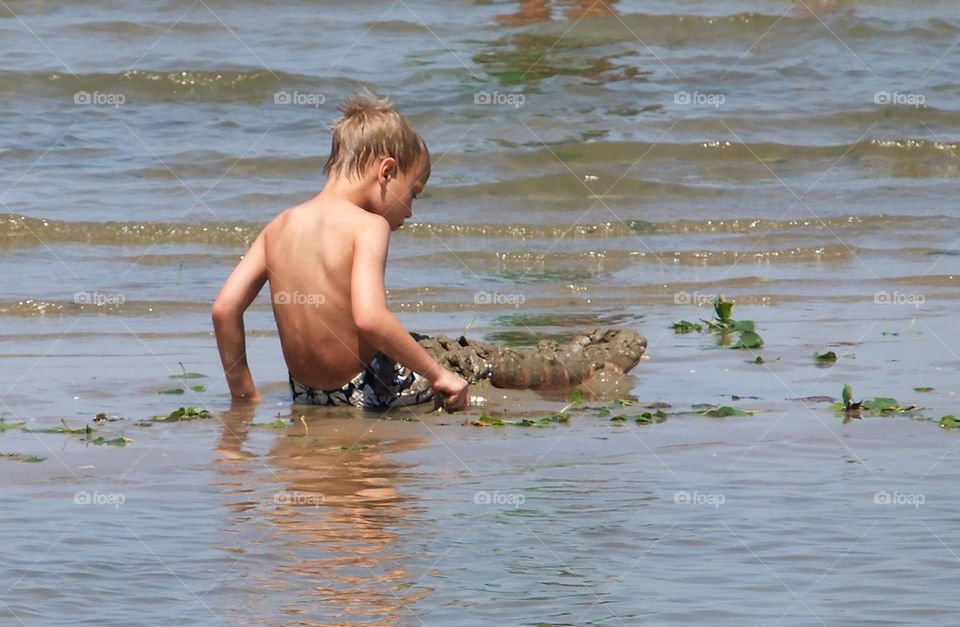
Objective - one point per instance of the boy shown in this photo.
(325, 261)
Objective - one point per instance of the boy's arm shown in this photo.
(238, 292)
(380, 327)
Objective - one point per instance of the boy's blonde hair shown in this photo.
(371, 128)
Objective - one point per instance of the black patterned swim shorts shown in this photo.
(383, 384)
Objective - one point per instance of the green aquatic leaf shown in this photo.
(199, 388)
(886, 405)
(619, 418)
(923, 389)
(744, 326)
(87, 430)
(950, 422)
(828, 356)
(685, 326)
(724, 411)
(603, 413)
(493, 421)
(722, 308)
(576, 397)
(647, 418)
(22, 457)
(183, 413)
(187, 375)
(622, 402)
(749, 339)
(171, 391)
(112, 442)
(759, 360)
(6, 426)
(847, 394)
(881, 403)
(561, 417)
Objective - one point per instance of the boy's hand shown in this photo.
(453, 389)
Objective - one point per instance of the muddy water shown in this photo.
(798, 159)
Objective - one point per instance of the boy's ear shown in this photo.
(388, 169)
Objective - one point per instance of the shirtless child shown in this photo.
(325, 261)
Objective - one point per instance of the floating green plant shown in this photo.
(545, 421)
(647, 418)
(183, 413)
(950, 422)
(22, 457)
(121, 441)
(65, 429)
(880, 405)
(723, 325)
(187, 375)
(724, 411)
(827, 357)
(6, 426)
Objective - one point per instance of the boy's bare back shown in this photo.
(309, 258)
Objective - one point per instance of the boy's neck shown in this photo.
(340, 188)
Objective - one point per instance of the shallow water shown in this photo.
(799, 158)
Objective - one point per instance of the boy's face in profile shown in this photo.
(399, 189)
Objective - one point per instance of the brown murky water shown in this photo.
(591, 168)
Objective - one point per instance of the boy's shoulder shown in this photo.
(343, 220)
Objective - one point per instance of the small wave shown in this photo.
(163, 85)
(34, 307)
(18, 231)
(563, 185)
(578, 266)
(673, 29)
(126, 28)
(583, 155)
(399, 27)
(21, 231)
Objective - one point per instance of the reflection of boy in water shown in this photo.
(533, 11)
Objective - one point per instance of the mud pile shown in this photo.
(548, 365)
